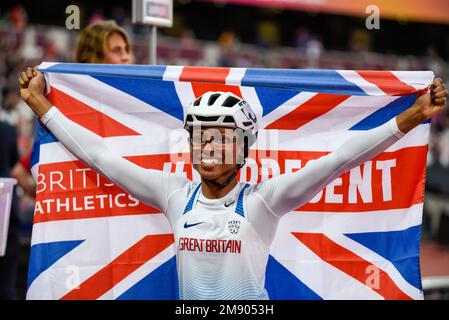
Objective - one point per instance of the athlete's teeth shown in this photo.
(209, 161)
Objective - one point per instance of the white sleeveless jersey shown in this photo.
(221, 244)
(219, 254)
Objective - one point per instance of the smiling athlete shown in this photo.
(223, 229)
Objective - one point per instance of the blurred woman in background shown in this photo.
(104, 42)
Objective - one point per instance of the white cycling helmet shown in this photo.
(222, 109)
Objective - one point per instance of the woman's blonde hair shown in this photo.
(93, 41)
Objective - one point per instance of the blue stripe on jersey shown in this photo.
(239, 207)
(189, 205)
(324, 81)
(127, 71)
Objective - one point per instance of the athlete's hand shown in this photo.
(433, 102)
(425, 107)
(32, 88)
(31, 82)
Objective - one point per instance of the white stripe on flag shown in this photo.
(235, 76)
(136, 226)
(172, 73)
(46, 65)
(418, 80)
(351, 222)
(369, 88)
(250, 95)
(185, 94)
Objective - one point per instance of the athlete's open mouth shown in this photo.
(209, 161)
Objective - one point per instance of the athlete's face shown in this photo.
(214, 151)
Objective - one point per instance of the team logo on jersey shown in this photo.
(233, 226)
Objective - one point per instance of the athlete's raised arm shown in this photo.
(150, 186)
(286, 192)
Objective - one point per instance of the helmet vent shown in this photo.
(197, 102)
(230, 102)
(207, 119)
(212, 99)
(189, 118)
(228, 119)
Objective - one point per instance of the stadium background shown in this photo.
(229, 33)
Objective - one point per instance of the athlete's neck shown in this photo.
(212, 191)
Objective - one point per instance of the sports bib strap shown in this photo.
(192, 200)
(239, 207)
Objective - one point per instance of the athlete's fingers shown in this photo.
(437, 81)
(21, 82)
(439, 101)
(24, 77)
(439, 93)
(29, 72)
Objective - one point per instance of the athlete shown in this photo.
(222, 228)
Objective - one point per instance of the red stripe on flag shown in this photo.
(352, 264)
(204, 74)
(200, 88)
(71, 190)
(316, 106)
(405, 189)
(88, 117)
(122, 266)
(387, 82)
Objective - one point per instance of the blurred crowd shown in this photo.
(22, 44)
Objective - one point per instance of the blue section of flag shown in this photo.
(121, 70)
(401, 248)
(324, 81)
(44, 255)
(281, 284)
(157, 93)
(161, 284)
(270, 98)
(386, 113)
(41, 136)
(35, 153)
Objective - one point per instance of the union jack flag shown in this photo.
(356, 239)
